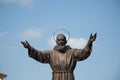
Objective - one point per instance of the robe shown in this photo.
(62, 64)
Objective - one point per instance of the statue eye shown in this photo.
(58, 39)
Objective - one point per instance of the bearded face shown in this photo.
(61, 42)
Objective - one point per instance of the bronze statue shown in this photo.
(62, 58)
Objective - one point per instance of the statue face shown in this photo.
(61, 40)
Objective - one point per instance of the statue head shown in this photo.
(61, 43)
(61, 40)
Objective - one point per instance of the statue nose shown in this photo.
(61, 42)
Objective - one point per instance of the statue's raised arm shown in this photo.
(86, 51)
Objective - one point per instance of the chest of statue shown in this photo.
(61, 60)
(58, 56)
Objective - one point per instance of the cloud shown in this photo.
(24, 3)
(51, 42)
(73, 42)
(77, 43)
(31, 33)
(3, 34)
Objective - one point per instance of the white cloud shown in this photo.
(31, 33)
(77, 43)
(3, 34)
(73, 42)
(25, 3)
(51, 42)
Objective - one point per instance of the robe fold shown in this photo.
(62, 64)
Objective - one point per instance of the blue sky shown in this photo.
(36, 20)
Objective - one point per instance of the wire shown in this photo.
(107, 49)
(9, 46)
(95, 49)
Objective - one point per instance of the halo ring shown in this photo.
(61, 30)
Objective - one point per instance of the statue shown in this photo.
(62, 58)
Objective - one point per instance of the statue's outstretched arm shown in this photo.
(88, 48)
(40, 56)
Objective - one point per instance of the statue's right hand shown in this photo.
(26, 44)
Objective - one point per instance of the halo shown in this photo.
(66, 31)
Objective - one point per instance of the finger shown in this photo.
(22, 42)
(95, 34)
(90, 35)
(27, 42)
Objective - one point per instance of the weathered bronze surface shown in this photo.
(62, 58)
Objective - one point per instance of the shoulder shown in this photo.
(76, 50)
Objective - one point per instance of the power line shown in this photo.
(95, 49)
(9, 47)
(107, 49)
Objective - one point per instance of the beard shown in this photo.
(62, 48)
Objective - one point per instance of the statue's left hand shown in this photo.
(93, 37)
(26, 44)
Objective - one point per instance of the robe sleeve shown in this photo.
(82, 54)
(41, 56)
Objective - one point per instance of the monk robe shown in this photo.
(62, 64)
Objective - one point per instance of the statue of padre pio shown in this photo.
(62, 58)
